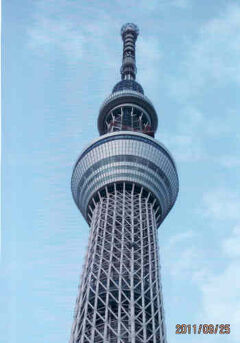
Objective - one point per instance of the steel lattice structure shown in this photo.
(124, 183)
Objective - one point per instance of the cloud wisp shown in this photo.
(214, 58)
(217, 279)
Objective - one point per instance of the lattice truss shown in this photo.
(120, 297)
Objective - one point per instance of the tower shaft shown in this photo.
(120, 297)
(124, 183)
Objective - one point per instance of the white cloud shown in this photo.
(189, 264)
(216, 282)
(149, 57)
(54, 33)
(221, 301)
(194, 133)
(222, 204)
(56, 27)
(194, 129)
(185, 259)
(187, 142)
(211, 60)
(156, 4)
(231, 245)
(181, 3)
(184, 147)
(182, 237)
(229, 161)
(220, 292)
(214, 58)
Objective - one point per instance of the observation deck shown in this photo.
(116, 107)
(128, 157)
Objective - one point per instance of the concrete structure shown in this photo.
(124, 184)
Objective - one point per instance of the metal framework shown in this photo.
(128, 118)
(120, 296)
(124, 183)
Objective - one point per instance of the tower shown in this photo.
(124, 183)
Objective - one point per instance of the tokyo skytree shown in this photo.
(124, 183)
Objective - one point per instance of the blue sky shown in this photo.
(60, 60)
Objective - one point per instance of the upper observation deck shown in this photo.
(127, 108)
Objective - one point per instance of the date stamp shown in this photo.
(206, 329)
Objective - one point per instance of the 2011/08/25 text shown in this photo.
(203, 328)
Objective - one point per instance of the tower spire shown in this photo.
(129, 33)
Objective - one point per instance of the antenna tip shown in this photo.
(129, 27)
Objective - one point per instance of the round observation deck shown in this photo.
(125, 157)
(126, 97)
